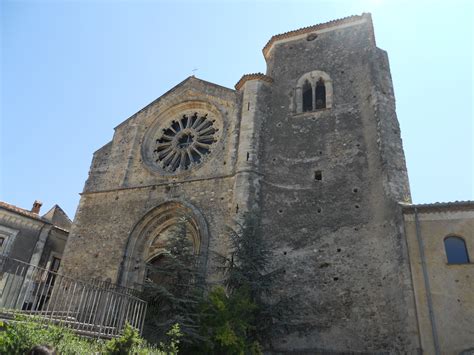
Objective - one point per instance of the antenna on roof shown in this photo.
(194, 71)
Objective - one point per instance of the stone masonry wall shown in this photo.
(339, 239)
(121, 189)
(325, 185)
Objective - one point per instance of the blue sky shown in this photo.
(73, 70)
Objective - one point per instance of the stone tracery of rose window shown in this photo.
(185, 142)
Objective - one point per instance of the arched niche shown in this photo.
(147, 241)
(315, 79)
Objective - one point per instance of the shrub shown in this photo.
(124, 345)
(19, 336)
(227, 321)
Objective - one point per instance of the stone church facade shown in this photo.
(312, 149)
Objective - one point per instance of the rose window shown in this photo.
(185, 142)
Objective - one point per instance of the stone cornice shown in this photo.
(20, 211)
(25, 217)
(167, 183)
(9, 218)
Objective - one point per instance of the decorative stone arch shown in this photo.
(312, 78)
(144, 241)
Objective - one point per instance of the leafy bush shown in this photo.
(233, 319)
(124, 345)
(24, 333)
(131, 343)
(19, 336)
(227, 321)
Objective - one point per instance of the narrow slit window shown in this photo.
(320, 94)
(307, 97)
(318, 175)
(55, 263)
(456, 250)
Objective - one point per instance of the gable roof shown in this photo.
(55, 216)
(189, 79)
(58, 217)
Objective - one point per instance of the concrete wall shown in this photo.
(31, 240)
(448, 290)
(54, 246)
(23, 233)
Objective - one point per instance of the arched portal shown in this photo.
(148, 240)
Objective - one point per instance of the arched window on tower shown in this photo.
(313, 92)
(456, 250)
(307, 97)
(320, 94)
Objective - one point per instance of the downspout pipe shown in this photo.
(429, 299)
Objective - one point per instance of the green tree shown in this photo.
(248, 281)
(226, 322)
(174, 290)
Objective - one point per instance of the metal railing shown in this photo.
(94, 309)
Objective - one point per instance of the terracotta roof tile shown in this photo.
(313, 28)
(253, 76)
(439, 206)
(26, 213)
(21, 211)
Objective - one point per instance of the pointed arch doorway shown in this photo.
(147, 243)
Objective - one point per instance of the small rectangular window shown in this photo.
(55, 263)
(318, 175)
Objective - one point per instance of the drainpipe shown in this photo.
(429, 300)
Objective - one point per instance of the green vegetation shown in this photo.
(246, 271)
(19, 336)
(229, 319)
(227, 322)
(174, 291)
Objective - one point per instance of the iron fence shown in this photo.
(94, 309)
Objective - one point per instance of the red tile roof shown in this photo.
(26, 213)
(313, 28)
(21, 211)
(439, 206)
(253, 76)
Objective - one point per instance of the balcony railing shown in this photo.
(94, 309)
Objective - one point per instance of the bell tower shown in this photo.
(333, 172)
